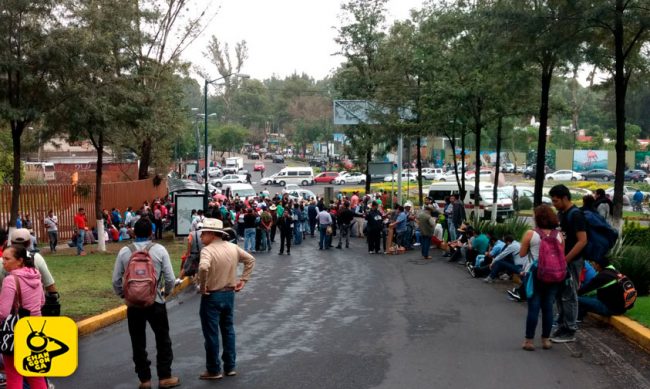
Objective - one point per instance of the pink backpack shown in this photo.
(551, 264)
(139, 282)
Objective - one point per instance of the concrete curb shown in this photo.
(94, 323)
(632, 329)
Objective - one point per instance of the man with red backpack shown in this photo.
(141, 269)
(574, 227)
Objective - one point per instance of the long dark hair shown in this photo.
(20, 252)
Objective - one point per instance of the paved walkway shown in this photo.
(346, 319)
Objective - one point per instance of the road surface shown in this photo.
(346, 319)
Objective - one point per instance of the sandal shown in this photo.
(528, 345)
(546, 343)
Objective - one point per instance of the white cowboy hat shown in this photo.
(214, 225)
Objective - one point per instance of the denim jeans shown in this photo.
(324, 241)
(543, 299)
(567, 298)
(156, 316)
(80, 241)
(266, 239)
(217, 313)
(54, 239)
(425, 245)
(504, 265)
(452, 230)
(344, 230)
(592, 304)
(249, 239)
(297, 234)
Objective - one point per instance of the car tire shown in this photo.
(362, 182)
(574, 179)
(443, 180)
(304, 183)
(605, 178)
(332, 182)
(550, 178)
(218, 184)
(282, 183)
(342, 182)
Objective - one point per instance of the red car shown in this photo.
(259, 166)
(326, 177)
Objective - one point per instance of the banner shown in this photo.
(584, 160)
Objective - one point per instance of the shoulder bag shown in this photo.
(9, 323)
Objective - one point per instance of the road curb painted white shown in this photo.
(97, 322)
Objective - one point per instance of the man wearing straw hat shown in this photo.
(217, 284)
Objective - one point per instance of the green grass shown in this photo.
(641, 311)
(84, 283)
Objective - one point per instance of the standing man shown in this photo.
(515, 197)
(375, 226)
(248, 177)
(324, 221)
(52, 225)
(574, 227)
(80, 222)
(345, 218)
(458, 211)
(155, 314)
(217, 285)
(426, 222)
(312, 214)
(285, 224)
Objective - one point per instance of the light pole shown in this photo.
(206, 194)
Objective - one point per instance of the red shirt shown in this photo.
(80, 221)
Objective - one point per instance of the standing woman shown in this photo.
(23, 277)
(546, 223)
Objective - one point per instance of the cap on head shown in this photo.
(21, 236)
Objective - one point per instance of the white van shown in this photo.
(299, 175)
(439, 190)
(242, 190)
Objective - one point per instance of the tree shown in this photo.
(623, 28)
(227, 138)
(32, 54)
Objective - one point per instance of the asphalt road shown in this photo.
(346, 319)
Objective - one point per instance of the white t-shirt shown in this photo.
(536, 241)
(51, 223)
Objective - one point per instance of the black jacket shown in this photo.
(375, 221)
(345, 216)
(611, 295)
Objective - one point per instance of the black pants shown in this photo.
(54, 239)
(273, 229)
(285, 236)
(159, 228)
(312, 226)
(156, 316)
(374, 241)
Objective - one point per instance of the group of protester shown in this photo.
(556, 263)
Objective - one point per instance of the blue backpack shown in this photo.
(601, 237)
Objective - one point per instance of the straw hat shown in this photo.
(213, 225)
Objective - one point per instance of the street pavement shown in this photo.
(347, 319)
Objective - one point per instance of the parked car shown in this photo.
(253, 156)
(599, 174)
(564, 175)
(406, 176)
(350, 178)
(508, 167)
(214, 171)
(326, 177)
(635, 175)
(432, 173)
(278, 158)
(317, 161)
(258, 166)
(531, 171)
(290, 187)
(229, 179)
(524, 191)
(300, 194)
(197, 177)
(485, 175)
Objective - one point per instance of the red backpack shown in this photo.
(139, 281)
(551, 264)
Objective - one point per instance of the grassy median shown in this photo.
(85, 282)
(641, 311)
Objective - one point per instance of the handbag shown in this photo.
(328, 230)
(9, 323)
(530, 280)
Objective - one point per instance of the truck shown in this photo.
(233, 165)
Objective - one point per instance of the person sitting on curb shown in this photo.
(608, 299)
(508, 260)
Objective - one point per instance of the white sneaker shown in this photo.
(178, 282)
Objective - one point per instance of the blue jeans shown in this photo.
(217, 316)
(425, 245)
(266, 240)
(297, 234)
(592, 304)
(80, 241)
(504, 266)
(249, 239)
(452, 230)
(324, 241)
(543, 299)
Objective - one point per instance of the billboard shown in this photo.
(489, 158)
(642, 160)
(584, 160)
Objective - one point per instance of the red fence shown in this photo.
(64, 200)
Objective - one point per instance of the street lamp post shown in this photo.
(206, 194)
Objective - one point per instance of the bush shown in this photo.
(635, 263)
(525, 204)
(515, 227)
(634, 233)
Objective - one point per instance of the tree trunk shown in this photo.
(477, 176)
(368, 160)
(99, 216)
(495, 206)
(620, 88)
(419, 166)
(547, 75)
(462, 165)
(145, 159)
(17, 129)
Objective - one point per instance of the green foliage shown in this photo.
(635, 234)
(635, 263)
(525, 203)
(641, 311)
(227, 138)
(515, 227)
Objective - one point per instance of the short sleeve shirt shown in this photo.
(401, 222)
(572, 221)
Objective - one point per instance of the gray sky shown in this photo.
(283, 36)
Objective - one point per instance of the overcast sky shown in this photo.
(283, 36)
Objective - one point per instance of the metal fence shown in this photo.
(65, 200)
